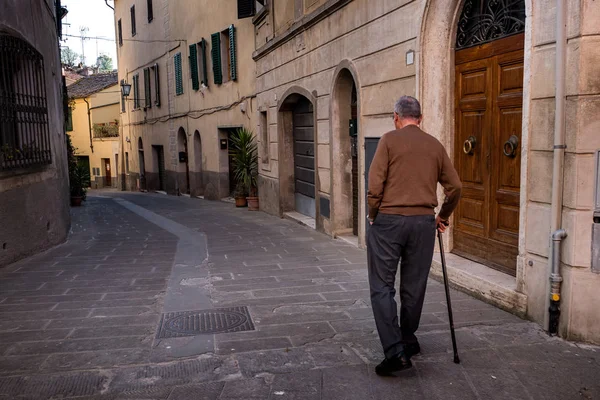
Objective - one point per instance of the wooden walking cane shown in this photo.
(446, 286)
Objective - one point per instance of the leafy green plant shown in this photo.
(244, 155)
(79, 176)
(79, 180)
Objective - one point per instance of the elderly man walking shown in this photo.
(403, 178)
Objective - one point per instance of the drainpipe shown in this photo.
(89, 124)
(558, 234)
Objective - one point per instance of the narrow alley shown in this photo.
(114, 313)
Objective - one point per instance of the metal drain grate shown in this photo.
(192, 323)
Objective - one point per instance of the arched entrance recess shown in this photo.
(345, 145)
(479, 45)
(142, 164)
(183, 169)
(198, 168)
(297, 153)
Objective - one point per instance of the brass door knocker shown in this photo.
(469, 145)
(511, 146)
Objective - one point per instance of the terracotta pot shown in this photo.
(240, 202)
(76, 201)
(252, 203)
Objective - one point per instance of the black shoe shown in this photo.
(392, 366)
(412, 349)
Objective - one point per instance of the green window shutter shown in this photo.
(216, 57)
(178, 75)
(136, 91)
(70, 120)
(156, 86)
(204, 76)
(194, 66)
(232, 49)
(147, 93)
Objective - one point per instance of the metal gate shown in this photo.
(304, 158)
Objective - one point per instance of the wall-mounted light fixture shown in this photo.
(223, 144)
(125, 88)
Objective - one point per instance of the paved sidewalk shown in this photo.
(81, 320)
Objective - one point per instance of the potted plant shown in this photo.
(78, 181)
(244, 154)
(240, 195)
(79, 177)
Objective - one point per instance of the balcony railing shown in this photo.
(109, 130)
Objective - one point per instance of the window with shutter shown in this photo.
(232, 56)
(147, 89)
(194, 66)
(203, 65)
(120, 29)
(246, 8)
(122, 97)
(216, 57)
(178, 75)
(133, 30)
(156, 86)
(136, 91)
(150, 11)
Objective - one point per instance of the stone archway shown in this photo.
(183, 167)
(198, 169)
(298, 177)
(345, 152)
(436, 90)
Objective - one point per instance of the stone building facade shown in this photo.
(328, 73)
(34, 187)
(192, 75)
(93, 125)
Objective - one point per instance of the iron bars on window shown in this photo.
(24, 130)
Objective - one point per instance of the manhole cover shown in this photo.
(192, 323)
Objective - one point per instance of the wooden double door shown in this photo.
(489, 103)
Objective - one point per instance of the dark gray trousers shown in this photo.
(391, 238)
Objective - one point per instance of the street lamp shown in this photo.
(125, 89)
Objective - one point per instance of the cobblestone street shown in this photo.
(83, 319)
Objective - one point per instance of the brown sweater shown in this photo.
(404, 174)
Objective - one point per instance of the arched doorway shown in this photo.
(345, 154)
(142, 164)
(183, 162)
(488, 113)
(297, 154)
(198, 168)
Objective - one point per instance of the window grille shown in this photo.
(24, 130)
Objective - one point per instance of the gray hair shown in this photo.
(408, 107)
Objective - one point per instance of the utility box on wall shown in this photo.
(370, 149)
(596, 224)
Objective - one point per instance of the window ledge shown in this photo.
(20, 171)
(300, 25)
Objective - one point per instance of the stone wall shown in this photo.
(370, 38)
(34, 202)
(580, 287)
